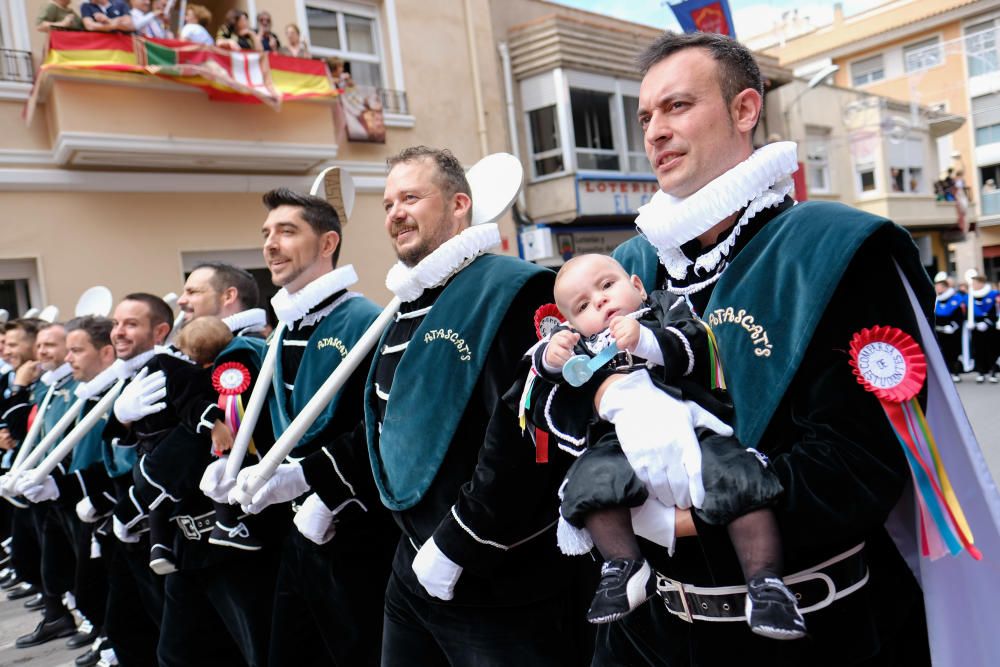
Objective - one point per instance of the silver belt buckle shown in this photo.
(189, 527)
(665, 584)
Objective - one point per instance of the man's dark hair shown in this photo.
(225, 276)
(159, 311)
(738, 70)
(98, 329)
(319, 213)
(29, 325)
(450, 174)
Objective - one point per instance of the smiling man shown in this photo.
(328, 598)
(723, 231)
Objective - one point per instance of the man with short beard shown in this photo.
(88, 354)
(57, 385)
(328, 601)
(209, 596)
(476, 575)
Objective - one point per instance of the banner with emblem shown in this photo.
(704, 16)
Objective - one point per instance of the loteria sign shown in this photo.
(613, 196)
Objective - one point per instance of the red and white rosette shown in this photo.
(231, 378)
(547, 318)
(888, 363)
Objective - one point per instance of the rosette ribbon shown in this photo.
(231, 379)
(889, 363)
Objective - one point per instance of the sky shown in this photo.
(750, 16)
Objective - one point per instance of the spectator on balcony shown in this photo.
(297, 46)
(268, 39)
(989, 187)
(236, 34)
(58, 14)
(196, 20)
(106, 16)
(147, 21)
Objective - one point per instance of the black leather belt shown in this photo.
(814, 588)
(193, 526)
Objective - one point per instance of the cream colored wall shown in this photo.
(133, 242)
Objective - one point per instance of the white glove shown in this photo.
(950, 328)
(666, 457)
(214, 482)
(287, 483)
(38, 492)
(655, 521)
(437, 573)
(8, 484)
(982, 326)
(122, 532)
(141, 397)
(315, 520)
(85, 510)
(970, 325)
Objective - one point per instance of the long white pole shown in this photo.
(36, 428)
(254, 406)
(77, 434)
(52, 436)
(293, 434)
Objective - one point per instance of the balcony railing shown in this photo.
(393, 101)
(991, 203)
(16, 66)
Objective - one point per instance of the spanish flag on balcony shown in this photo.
(233, 76)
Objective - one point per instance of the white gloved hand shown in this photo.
(656, 522)
(141, 397)
(287, 483)
(85, 510)
(315, 520)
(437, 573)
(8, 484)
(665, 456)
(214, 482)
(40, 491)
(970, 325)
(982, 326)
(122, 532)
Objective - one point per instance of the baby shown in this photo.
(201, 340)
(662, 394)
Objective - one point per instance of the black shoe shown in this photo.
(161, 560)
(625, 584)
(83, 637)
(47, 631)
(10, 581)
(93, 655)
(22, 590)
(771, 609)
(237, 537)
(36, 601)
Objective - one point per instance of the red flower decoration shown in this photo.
(888, 363)
(231, 379)
(547, 318)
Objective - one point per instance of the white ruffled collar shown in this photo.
(983, 291)
(947, 294)
(56, 375)
(408, 283)
(121, 369)
(291, 308)
(253, 318)
(761, 181)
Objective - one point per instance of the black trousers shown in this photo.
(951, 350)
(26, 546)
(328, 602)
(135, 602)
(984, 349)
(58, 560)
(429, 633)
(90, 577)
(221, 614)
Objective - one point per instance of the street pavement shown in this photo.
(981, 404)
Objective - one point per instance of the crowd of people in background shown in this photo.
(151, 18)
